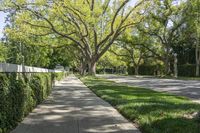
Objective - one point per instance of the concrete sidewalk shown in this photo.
(73, 108)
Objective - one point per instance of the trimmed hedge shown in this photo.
(59, 76)
(188, 70)
(147, 70)
(19, 95)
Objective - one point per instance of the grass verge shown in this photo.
(154, 112)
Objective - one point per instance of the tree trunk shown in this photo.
(167, 65)
(83, 70)
(136, 70)
(197, 54)
(92, 68)
(83, 67)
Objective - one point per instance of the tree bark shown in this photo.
(136, 70)
(92, 68)
(167, 60)
(167, 65)
(83, 67)
(197, 53)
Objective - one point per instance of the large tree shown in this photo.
(3, 51)
(93, 25)
(130, 47)
(163, 23)
(193, 26)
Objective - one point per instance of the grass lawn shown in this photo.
(154, 112)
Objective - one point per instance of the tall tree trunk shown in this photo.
(197, 54)
(92, 68)
(136, 70)
(167, 65)
(167, 61)
(83, 67)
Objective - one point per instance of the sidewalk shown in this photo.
(73, 108)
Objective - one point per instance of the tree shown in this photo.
(163, 23)
(110, 61)
(193, 24)
(3, 52)
(131, 48)
(93, 25)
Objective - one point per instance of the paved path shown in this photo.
(73, 108)
(188, 88)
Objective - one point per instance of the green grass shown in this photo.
(154, 112)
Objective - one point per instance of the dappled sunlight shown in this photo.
(146, 107)
(74, 108)
(188, 88)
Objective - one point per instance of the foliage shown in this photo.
(62, 56)
(92, 26)
(155, 112)
(59, 76)
(19, 94)
(147, 70)
(3, 52)
(164, 22)
(110, 60)
(22, 53)
(187, 70)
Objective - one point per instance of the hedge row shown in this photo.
(187, 70)
(20, 93)
(147, 70)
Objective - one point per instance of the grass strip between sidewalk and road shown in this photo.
(153, 112)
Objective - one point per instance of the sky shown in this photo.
(3, 15)
(2, 23)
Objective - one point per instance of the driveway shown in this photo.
(187, 88)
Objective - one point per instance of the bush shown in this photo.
(59, 76)
(20, 93)
(188, 70)
(147, 70)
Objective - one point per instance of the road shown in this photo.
(187, 88)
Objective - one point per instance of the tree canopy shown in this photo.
(107, 33)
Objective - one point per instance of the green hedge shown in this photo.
(188, 70)
(147, 70)
(59, 76)
(20, 93)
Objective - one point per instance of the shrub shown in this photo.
(59, 76)
(147, 70)
(187, 70)
(20, 93)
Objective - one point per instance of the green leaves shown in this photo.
(3, 52)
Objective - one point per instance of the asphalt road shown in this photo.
(187, 88)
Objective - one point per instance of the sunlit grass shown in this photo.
(154, 112)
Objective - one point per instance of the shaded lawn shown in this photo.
(154, 112)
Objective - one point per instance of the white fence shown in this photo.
(9, 68)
